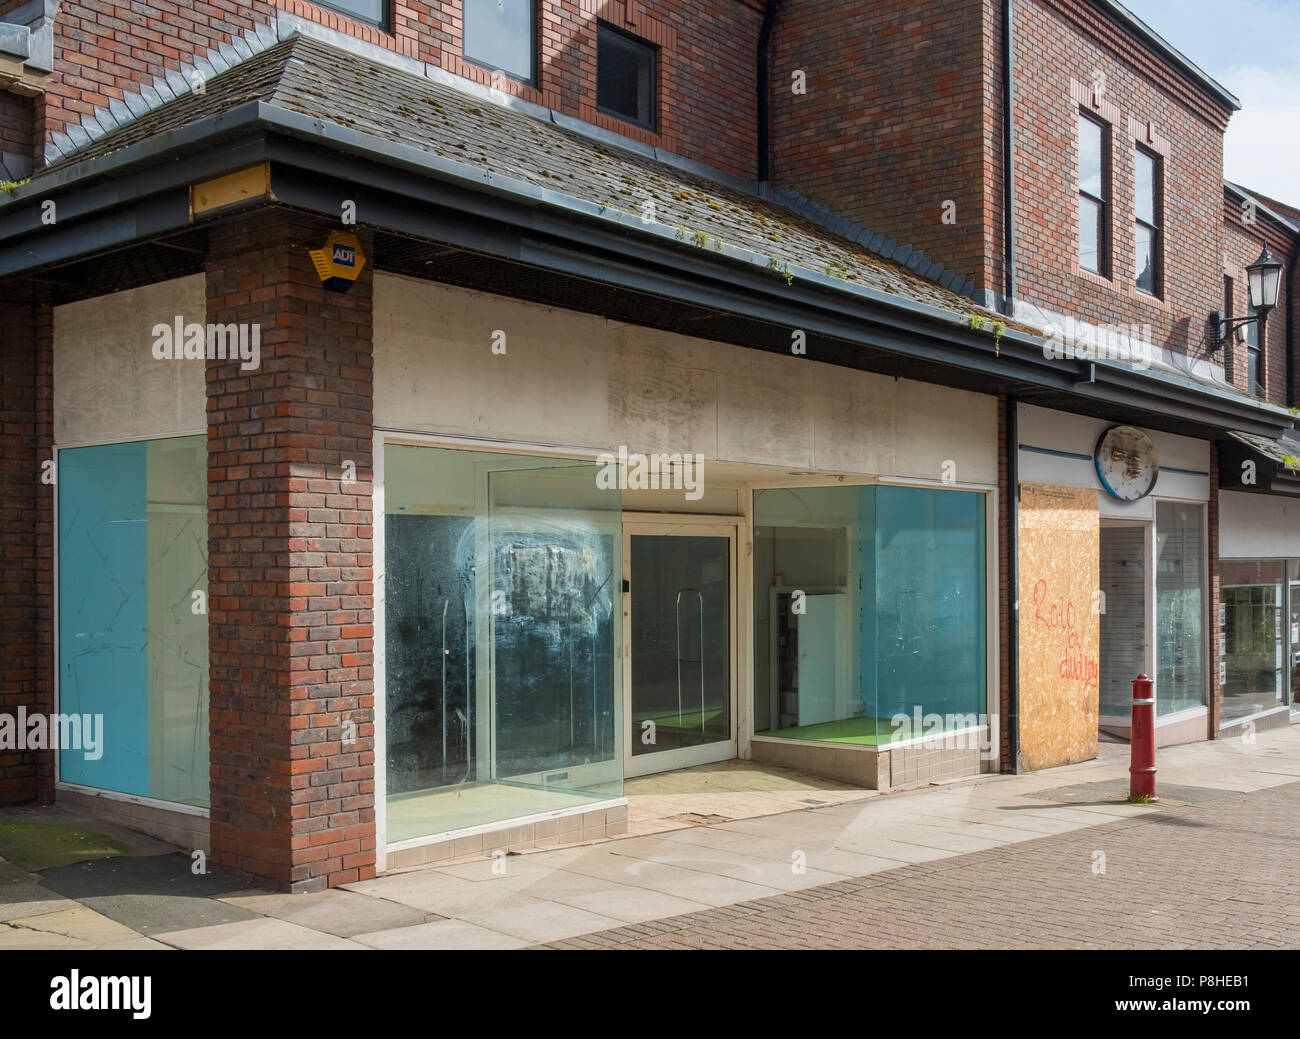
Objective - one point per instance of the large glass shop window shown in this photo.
(1180, 607)
(133, 623)
(502, 691)
(1255, 637)
(869, 613)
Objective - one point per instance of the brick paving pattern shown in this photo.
(1210, 875)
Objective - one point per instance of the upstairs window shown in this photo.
(625, 76)
(1094, 191)
(1146, 206)
(501, 35)
(375, 12)
(1254, 355)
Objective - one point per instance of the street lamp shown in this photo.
(1265, 279)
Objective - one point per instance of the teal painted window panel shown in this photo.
(103, 611)
(133, 634)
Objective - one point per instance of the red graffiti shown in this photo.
(1076, 666)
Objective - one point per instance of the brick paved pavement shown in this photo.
(1219, 874)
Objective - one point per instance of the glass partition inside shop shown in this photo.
(133, 618)
(869, 613)
(502, 693)
(1180, 607)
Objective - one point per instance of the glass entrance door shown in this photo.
(679, 660)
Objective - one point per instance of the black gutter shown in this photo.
(1008, 159)
(764, 131)
(1013, 583)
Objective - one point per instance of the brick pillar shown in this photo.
(26, 533)
(290, 565)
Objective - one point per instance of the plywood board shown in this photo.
(1059, 629)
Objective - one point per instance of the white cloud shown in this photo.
(1262, 149)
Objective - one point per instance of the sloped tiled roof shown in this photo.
(310, 78)
(1285, 452)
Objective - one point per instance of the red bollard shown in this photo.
(1142, 743)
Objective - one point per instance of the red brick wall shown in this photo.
(1063, 45)
(26, 534)
(1242, 242)
(17, 125)
(707, 67)
(891, 125)
(290, 565)
(102, 48)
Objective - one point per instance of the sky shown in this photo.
(1252, 47)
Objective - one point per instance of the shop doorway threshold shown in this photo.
(726, 791)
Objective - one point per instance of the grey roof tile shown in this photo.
(164, 88)
(306, 77)
(177, 82)
(120, 112)
(79, 136)
(151, 97)
(137, 104)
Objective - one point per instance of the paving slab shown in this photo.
(77, 922)
(542, 921)
(29, 899)
(632, 905)
(444, 934)
(260, 932)
(344, 914)
(151, 893)
(1113, 792)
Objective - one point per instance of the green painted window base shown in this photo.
(869, 732)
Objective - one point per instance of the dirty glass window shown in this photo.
(869, 606)
(373, 11)
(503, 694)
(1094, 189)
(501, 35)
(1180, 607)
(625, 76)
(133, 632)
(1147, 230)
(1255, 637)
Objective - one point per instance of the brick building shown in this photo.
(1260, 581)
(419, 418)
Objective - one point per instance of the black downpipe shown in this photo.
(1013, 425)
(1013, 584)
(764, 36)
(1008, 158)
(1289, 343)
